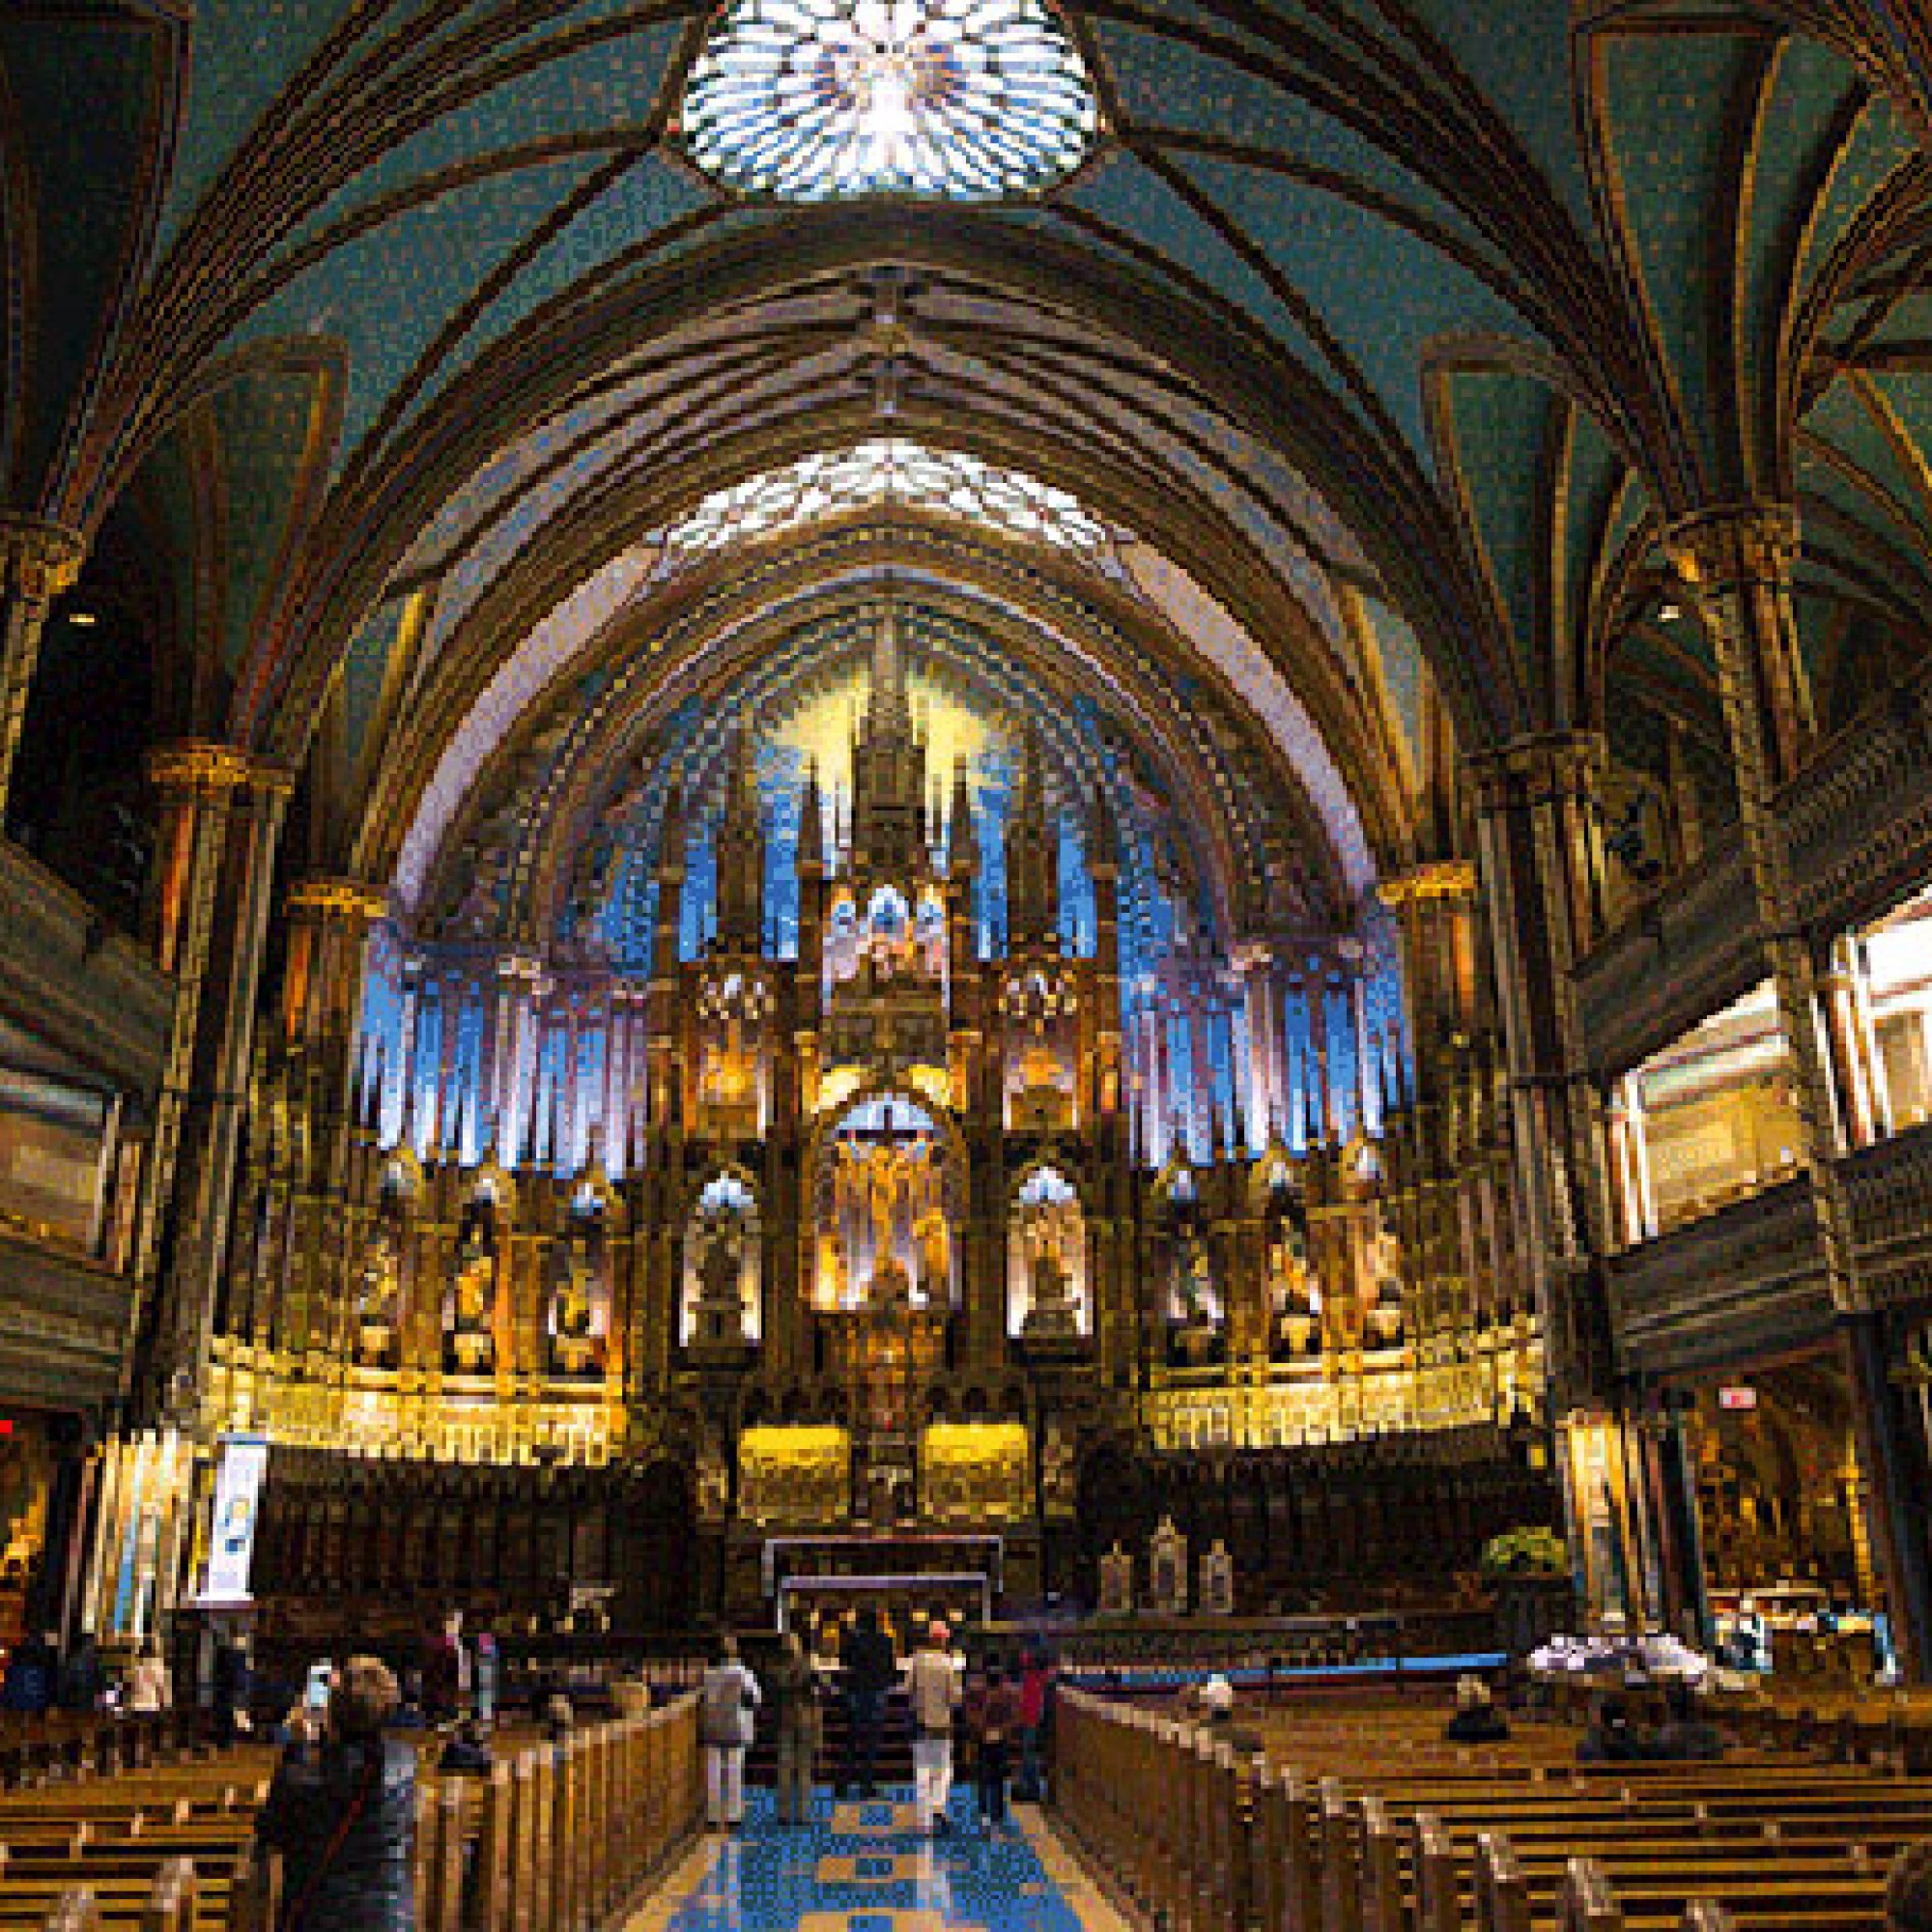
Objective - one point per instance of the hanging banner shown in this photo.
(238, 1496)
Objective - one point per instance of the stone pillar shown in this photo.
(1542, 871)
(221, 812)
(38, 561)
(1634, 1212)
(1851, 1043)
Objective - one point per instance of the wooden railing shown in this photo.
(1204, 1839)
(560, 1836)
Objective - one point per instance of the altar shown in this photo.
(907, 1576)
(907, 1579)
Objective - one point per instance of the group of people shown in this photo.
(41, 1676)
(1002, 1714)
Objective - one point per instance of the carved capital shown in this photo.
(38, 559)
(1546, 764)
(1442, 879)
(1733, 547)
(347, 900)
(212, 769)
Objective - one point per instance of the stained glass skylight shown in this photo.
(888, 470)
(825, 100)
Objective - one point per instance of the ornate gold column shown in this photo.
(38, 561)
(1738, 564)
(221, 816)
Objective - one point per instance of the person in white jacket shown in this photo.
(730, 1698)
(147, 1685)
(932, 1685)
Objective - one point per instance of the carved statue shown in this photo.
(935, 1266)
(473, 1349)
(1167, 1569)
(1217, 1583)
(572, 1317)
(720, 1308)
(1052, 1314)
(833, 1277)
(377, 1302)
(1116, 1584)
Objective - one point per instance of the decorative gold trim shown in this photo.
(38, 559)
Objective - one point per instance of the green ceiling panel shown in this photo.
(387, 293)
(1908, 394)
(1231, 103)
(1403, 672)
(1595, 474)
(1147, 211)
(1383, 292)
(362, 669)
(1500, 420)
(651, 195)
(1813, 88)
(82, 95)
(242, 53)
(1828, 494)
(1670, 97)
(1525, 71)
(1880, 147)
(263, 423)
(606, 86)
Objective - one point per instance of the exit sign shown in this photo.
(1737, 1398)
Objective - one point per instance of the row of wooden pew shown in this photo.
(44, 1748)
(555, 1836)
(1366, 1819)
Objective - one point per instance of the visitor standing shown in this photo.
(994, 1714)
(488, 1666)
(443, 1670)
(932, 1685)
(730, 1698)
(870, 1669)
(32, 1674)
(342, 1812)
(148, 1691)
(793, 1685)
(233, 1688)
(1035, 1719)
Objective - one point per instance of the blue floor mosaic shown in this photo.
(862, 1868)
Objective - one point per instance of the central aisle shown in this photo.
(861, 1868)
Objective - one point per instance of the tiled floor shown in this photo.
(862, 1868)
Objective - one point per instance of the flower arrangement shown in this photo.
(1532, 1551)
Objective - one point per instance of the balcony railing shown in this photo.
(1859, 821)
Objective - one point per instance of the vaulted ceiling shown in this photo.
(1384, 333)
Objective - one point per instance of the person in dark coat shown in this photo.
(342, 1813)
(870, 1670)
(233, 1688)
(82, 1680)
(992, 1716)
(32, 1675)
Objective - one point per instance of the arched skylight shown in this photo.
(823, 100)
(888, 470)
